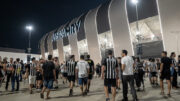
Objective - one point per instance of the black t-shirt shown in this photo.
(1, 67)
(48, 68)
(91, 65)
(166, 64)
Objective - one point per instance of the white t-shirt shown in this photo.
(63, 68)
(153, 67)
(128, 62)
(82, 67)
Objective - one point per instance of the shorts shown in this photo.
(165, 75)
(39, 76)
(48, 84)
(111, 82)
(83, 81)
(90, 76)
(32, 79)
(71, 78)
(57, 74)
(154, 74)
(64, 74)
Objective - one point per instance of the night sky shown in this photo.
(46, 15)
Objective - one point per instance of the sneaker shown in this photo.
(125, 99)
(31, 92)
(169, 95)
(70, 92)
(107, 99)
(41, 96)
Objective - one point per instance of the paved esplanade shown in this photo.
(96, 94)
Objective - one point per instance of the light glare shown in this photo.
(134, 1)
(29, 28)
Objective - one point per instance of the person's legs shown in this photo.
(169, 86)
(131, 82)
(125, 87)
(17, 81)
(81, 85)
(106, 83)
(7, 82)
(162, 86)
(85, 80)
(48, 92)
(113, 93)
(12, 82)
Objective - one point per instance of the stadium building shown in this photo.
(110, 27)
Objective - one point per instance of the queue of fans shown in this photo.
(44, 74)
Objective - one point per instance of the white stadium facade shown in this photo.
(108, 27)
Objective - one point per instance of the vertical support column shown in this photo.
(60, 50)
(169, 14)
(50, 47)
(73, 44)
(120, 27)
(91, 36)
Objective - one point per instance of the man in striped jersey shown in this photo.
(71, 67)
(31, 72)
(16, 74)
(110, 74)
(9, 68)
(128, 75)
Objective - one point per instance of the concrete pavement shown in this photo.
(96, 93)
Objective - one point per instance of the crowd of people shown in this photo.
(44, 74)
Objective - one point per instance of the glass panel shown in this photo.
(55, 53)
(67, 51)
(46, 55)
(83, 47)
(105, 43)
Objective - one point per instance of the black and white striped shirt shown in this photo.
(71, 67)
(9, 67)
(17, 69)
(32, 71)
(110, 64)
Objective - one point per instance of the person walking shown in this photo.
(31, 74)
(110, 74)
(71, 69)
(16, 74)
(174, 70)
(153, 71)
(91, 71)
(49, 75)
(9, 68)
(165, 72)
(128, 75)
(82, 71)
(120, 74)
(57, 67)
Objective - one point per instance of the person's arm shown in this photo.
(103, 68)
(102, 71)
(77, 70)
(93, 67)
(123, 67)
(27, 73)
(54, 72)
(161, 67)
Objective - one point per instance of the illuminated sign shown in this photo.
(65, 32)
